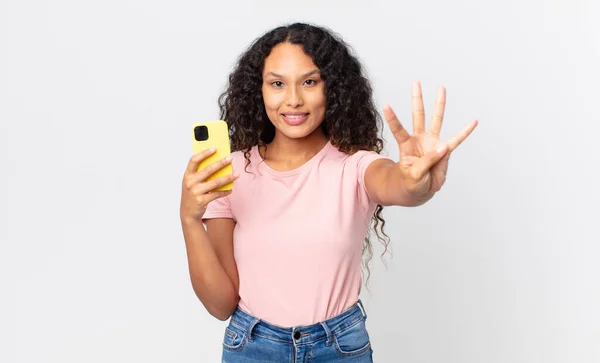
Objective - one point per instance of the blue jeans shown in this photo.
(343, 338)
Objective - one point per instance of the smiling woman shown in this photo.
(293, 90)
(309, 179)
(294, 96)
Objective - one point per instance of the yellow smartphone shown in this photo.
(213, 134)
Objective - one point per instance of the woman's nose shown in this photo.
(294, 98)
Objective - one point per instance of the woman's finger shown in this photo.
(461, 136)
(418, 110)
(214, 167)
(197, 158)
(396, 127)
(204, 187)
(438, 112)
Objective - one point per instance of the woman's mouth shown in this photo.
(294, 118)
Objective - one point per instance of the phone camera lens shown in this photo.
(201, 133)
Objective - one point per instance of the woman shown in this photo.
(281, 253)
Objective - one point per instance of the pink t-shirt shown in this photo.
(298, 235)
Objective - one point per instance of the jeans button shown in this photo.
(297, 335)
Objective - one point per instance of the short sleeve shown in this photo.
(218, 208)
(364, 159)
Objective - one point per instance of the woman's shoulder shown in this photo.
(352, 156)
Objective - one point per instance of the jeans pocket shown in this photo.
(235, 337)
(353, 340)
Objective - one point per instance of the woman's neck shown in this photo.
(285, 153)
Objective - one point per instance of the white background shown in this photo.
(96, 103)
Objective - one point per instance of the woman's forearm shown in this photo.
(209, 279)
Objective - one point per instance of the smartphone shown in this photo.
(213, 134)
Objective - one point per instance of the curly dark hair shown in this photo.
(351, 120)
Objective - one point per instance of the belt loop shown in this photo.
(250, 327)
(362, 308)
(328, 332)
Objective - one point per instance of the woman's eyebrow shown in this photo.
(315, 71)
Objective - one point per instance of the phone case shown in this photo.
(218, 137)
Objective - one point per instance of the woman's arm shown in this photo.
(421, 170)
(212, 268)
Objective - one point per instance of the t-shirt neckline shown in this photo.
(307, 165)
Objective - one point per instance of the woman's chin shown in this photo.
(296, 132)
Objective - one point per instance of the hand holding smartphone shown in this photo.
(208, 175)
(213, 134)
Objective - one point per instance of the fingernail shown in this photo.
(212, 150)
(228, 158)
(415, 86)
(441, 149)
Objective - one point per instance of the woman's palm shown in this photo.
(423, 156)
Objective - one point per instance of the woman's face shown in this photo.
(293, 91)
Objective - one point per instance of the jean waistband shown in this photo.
(299, 334)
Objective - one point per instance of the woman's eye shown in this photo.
(310, 82)
(277, 83)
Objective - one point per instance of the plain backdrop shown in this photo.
(96, 103)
